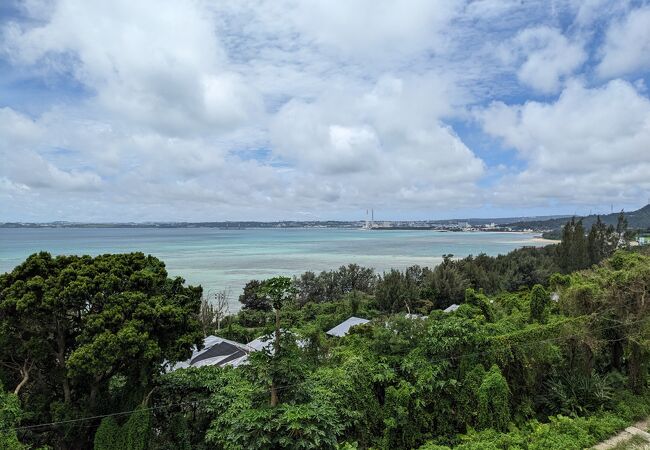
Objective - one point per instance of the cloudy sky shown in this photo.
(312, 109)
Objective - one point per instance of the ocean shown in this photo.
(226, 259)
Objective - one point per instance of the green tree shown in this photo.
(468, 397)
(207, 316)
(75, 322)
(494, 401)
(616, 295)
(309, 288)
(251, 298)
(133, 435)
(392, 293)
(479, 300)
(109, 435)
(572, 250)
(539, 300)
(137, 430)
(600, 242)
(10, 413)
(278, 291)
(356, 278)
(447, 282)
(312, 415)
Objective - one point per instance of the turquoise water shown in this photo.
(227, 259)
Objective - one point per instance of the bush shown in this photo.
(431, 446)
(137, 430)
(133, 435)
(494, 400)
(109, 435)
(560, 433)
(538, 300)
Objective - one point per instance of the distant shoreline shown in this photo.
(439, 228)
(544, 240)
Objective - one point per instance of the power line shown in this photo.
(124, 413)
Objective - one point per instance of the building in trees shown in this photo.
(344, 327)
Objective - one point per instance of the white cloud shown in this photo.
(9, 187)
(139, 174)
(159, 63)
(22, 166)
(590, 12)
(371, 28)
(196, 109)
(627, 45)
(18, 128)
(591, 145)
(367, 151)
(546, 57)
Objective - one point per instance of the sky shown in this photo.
(190, 110)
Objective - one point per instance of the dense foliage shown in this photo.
(81, 336)
(10, 413)
(542, 352)
(513, 369)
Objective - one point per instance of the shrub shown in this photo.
(109, 435)
(137, 430)
(538, 301)
(133, 435)
(494, 400)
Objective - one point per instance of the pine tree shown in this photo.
(579, 250)
(573, 252)
(601, 242)
(564, 248)
(494, 401)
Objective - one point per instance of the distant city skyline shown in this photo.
(311, 110)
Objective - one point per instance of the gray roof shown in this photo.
(216, 351)
(451, 308)
(262, 343)
(343, 328)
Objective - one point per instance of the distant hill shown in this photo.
(500, 220)
(637, 220)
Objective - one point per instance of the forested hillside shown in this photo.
(637, 220)
(547, 350)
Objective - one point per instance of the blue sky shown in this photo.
(203, 110)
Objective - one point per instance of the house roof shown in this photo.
(343, 328)
(216, 351)
(221, 352)
(262, 343)
(451, 308)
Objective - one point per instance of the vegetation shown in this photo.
(82, 336)
(634, 443)
(543, 352)
(637, 220)
(9, 417)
